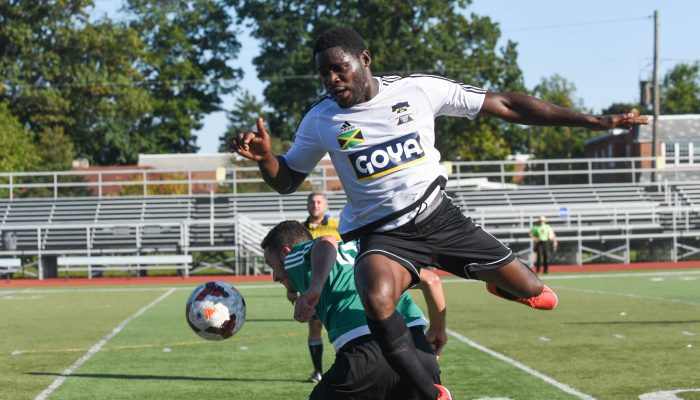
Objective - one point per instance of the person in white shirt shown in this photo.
(379, 133)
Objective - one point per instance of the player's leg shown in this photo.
(316, 349)
(538, 258)
(380, 282)
(467, 250)
(401, 391)
(545, 257)
(515, 279)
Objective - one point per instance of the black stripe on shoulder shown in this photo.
(386, 80)
(327, 96)
(466, 87)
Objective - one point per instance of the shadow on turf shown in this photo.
(631, 322)
(164, 377)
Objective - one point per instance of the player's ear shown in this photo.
(286, 250)
(365, 58)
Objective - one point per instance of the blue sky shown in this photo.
(603, 47)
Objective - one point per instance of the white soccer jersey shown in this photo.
(384, 149)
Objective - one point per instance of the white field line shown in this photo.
(561, 386)
(97, 347)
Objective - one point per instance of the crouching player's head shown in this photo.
(278, 243)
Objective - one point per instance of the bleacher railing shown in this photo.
(152, 182)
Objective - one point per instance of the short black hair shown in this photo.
(285, 234)
(347, 38)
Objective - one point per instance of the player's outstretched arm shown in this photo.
(256, 146)
(437, 310)
(323, 255)
(523, 109)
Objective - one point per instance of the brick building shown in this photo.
(679, 148)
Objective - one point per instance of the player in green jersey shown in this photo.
(322, 270)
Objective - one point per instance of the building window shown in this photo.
(683, 154)
(669, 151)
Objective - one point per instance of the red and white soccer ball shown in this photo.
(215, 310)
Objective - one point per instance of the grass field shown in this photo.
(613, 336)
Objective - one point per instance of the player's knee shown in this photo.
(376, 294)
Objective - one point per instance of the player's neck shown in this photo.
(373, 87)
(315, 220)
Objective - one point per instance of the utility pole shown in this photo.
(654, 135)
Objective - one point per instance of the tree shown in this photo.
(186, 69)
(556, 141)
(417, 36)
(17, 152)
(680, 90)
(621, 108)
(116, 89)
(242, 117)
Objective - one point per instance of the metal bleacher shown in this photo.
(596, 221)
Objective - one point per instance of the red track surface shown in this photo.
(159, 280)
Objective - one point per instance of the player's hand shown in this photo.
(625, 121)
(292, 296)
(437, 337)
(252, 145)
(305, 305)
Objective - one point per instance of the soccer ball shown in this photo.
(215, 310)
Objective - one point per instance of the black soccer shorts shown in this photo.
(360, 372)
(445, 239)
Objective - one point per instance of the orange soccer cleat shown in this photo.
(444, 393)
(547, 300)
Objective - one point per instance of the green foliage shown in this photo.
(403, 37)
(55, 150)
(242, 117)
(555, 141)
(135, 186)
(188, 43)
(117, 88)
(680, 90)
(621, 108)
(17, 150)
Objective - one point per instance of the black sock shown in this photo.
(396, 343)
(316, 350)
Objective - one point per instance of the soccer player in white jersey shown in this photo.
(323, 268)
(380, 135)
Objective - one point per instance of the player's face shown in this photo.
(275, 259)
(345, 76)
(317, 206)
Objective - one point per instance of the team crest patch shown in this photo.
(403, 113)
(349, 136)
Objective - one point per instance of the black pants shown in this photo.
(542, 249)
(360, 372)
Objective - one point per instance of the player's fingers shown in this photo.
(261, 127)
(243, 140)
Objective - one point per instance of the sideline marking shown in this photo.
(65, 374)
(561, 386)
